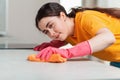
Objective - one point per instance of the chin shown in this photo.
(62, 39)
(59, 39)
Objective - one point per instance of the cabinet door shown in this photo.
(2, 17)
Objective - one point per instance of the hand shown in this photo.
(47, 52)
(79, 50)
(41, 46)
(53, 43)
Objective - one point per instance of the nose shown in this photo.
(51, 33)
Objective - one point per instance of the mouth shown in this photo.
(57, 36)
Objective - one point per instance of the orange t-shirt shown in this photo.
(87, 24)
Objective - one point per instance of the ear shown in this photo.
(63, 16)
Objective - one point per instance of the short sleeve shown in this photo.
(92, 24)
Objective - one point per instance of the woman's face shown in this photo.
(55, 27)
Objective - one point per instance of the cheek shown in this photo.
(60, 27)
(49, 36)
(41, 26)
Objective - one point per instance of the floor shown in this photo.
(14, 66)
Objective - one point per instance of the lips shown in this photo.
(57, 36)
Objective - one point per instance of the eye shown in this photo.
(45, 31)
(51, 26)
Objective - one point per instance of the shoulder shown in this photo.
(88, 13)
(91, 15)
(93, 12)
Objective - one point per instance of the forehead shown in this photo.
(44, 21)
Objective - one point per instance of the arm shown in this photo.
(103, 39)
(53, 43)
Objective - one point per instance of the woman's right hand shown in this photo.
(41, 46)
(53, 43)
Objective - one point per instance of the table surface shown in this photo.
(14, 66)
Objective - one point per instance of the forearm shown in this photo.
(53, 43)
(57, 43)
(103, 39)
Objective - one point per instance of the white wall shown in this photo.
(113, 3)
(21, 20)
(68, 4)
(108, 3)
(101, 3)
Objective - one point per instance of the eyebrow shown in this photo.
(44, 31)
(48, 24)
(46, 27)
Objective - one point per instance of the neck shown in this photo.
(70, 23)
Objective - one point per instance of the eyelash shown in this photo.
(45, 31)
(50, 27)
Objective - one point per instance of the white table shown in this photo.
(14, 66)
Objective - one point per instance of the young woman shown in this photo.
(92, 31)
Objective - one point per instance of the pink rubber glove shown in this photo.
(80, 49)
(53, 43)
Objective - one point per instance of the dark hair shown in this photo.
(115, 12)
(54, 9)
(49, 9)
